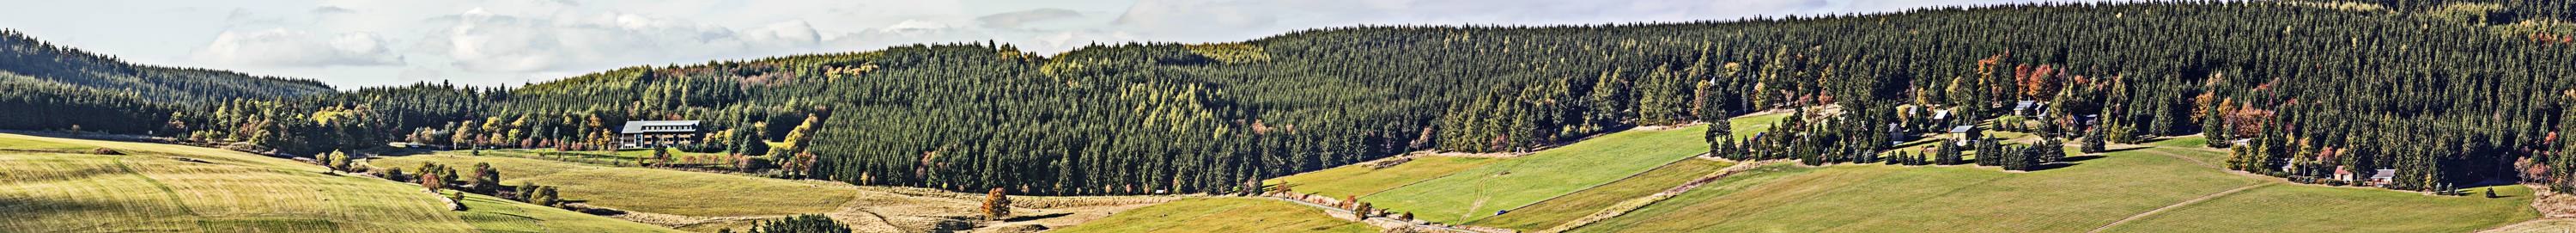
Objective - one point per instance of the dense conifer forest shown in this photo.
(2442, 91)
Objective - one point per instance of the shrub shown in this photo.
(105, 151)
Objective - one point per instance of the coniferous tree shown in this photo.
(2095, 141)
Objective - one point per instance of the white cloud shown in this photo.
(419, 74)
(483, 41)
(291, 48)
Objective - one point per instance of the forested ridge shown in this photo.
(47, 86)
(2443, 91)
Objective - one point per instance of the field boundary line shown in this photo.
(1426, 180)
(2180, 204)
(1623, 207)
(2175, 156)
(1630, 176)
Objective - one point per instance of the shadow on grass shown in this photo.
(1035, 217)
(2065, 162)
(2108, 150)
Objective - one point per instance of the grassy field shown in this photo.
(493, 215)
(148, 191)
(2332, 209)
(650, 190)
(1230, 215)
(1478, 193)
(42, 145)
(1880, 198)
(2193, 141)
(1549, 213)
(1348, 181)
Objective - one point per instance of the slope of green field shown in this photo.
(1549, 213)
(1513, 183)
(149, 191)
(1880, 198)
(1230, 215)
(1355, 180)
(495, 215)
(42, 146)
(2193, 141)
(2334, 209)
(650, 190)
(1477, 193)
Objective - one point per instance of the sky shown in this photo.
(353, 43)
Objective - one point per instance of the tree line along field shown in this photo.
(2091, 194)
(146, 190)
(707, 202)
(647, 189)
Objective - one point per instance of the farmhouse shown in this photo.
(2343, 174)
(2029, 108)
(2383, 177)
(648, 134)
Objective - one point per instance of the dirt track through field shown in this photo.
(2185, 202)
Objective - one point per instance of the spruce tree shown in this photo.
(2094, 141)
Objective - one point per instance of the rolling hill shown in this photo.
(56, 185)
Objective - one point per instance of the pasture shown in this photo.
(149, 191)
(1549, 213)
(1357, 180)
(1231, 215)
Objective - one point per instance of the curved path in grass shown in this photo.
(2177, 204)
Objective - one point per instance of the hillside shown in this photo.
(55, 185)
(2162, 189)
(41, 62)
(1209, 118)
(49, 87)
(707, 202)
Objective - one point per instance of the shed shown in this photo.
(1962, 129)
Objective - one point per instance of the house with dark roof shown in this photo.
(2029, 108)
(649, 134)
